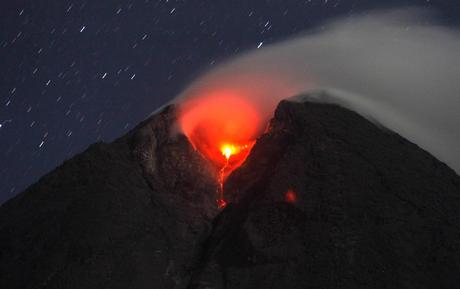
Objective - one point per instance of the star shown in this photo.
(2, 124)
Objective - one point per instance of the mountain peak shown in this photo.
(325, 199)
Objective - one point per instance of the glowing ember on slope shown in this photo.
(290, 196)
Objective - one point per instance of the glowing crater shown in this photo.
(223, 127)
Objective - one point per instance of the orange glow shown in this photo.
(222, 126)
(290, 196)
(228, 150)
(225, 110)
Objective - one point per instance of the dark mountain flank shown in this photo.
(326, 199)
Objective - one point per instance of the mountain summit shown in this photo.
(325, 199)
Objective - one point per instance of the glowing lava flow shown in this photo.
(229, 150)
(223, 127)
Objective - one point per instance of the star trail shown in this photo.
(77, 72)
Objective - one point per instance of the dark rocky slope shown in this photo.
(372, 210)
(130, 214)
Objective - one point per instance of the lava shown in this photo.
(290, 196)
(223, 127)
(229, 150)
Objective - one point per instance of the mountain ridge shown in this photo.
(370, 209)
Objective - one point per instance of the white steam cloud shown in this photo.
(390, 65)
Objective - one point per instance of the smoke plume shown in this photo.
(399, 68)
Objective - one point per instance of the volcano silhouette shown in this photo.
(325, 199)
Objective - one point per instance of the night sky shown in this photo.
(76, 72)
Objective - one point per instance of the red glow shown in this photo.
(223, 112)
(290, 196)
(221, 203)
(223, 127)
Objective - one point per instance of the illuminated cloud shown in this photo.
(391, 66)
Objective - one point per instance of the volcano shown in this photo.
(323, 198)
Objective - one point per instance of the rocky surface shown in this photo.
(367, 209)
(130, 214)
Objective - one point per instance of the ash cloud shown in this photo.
(398, 67)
